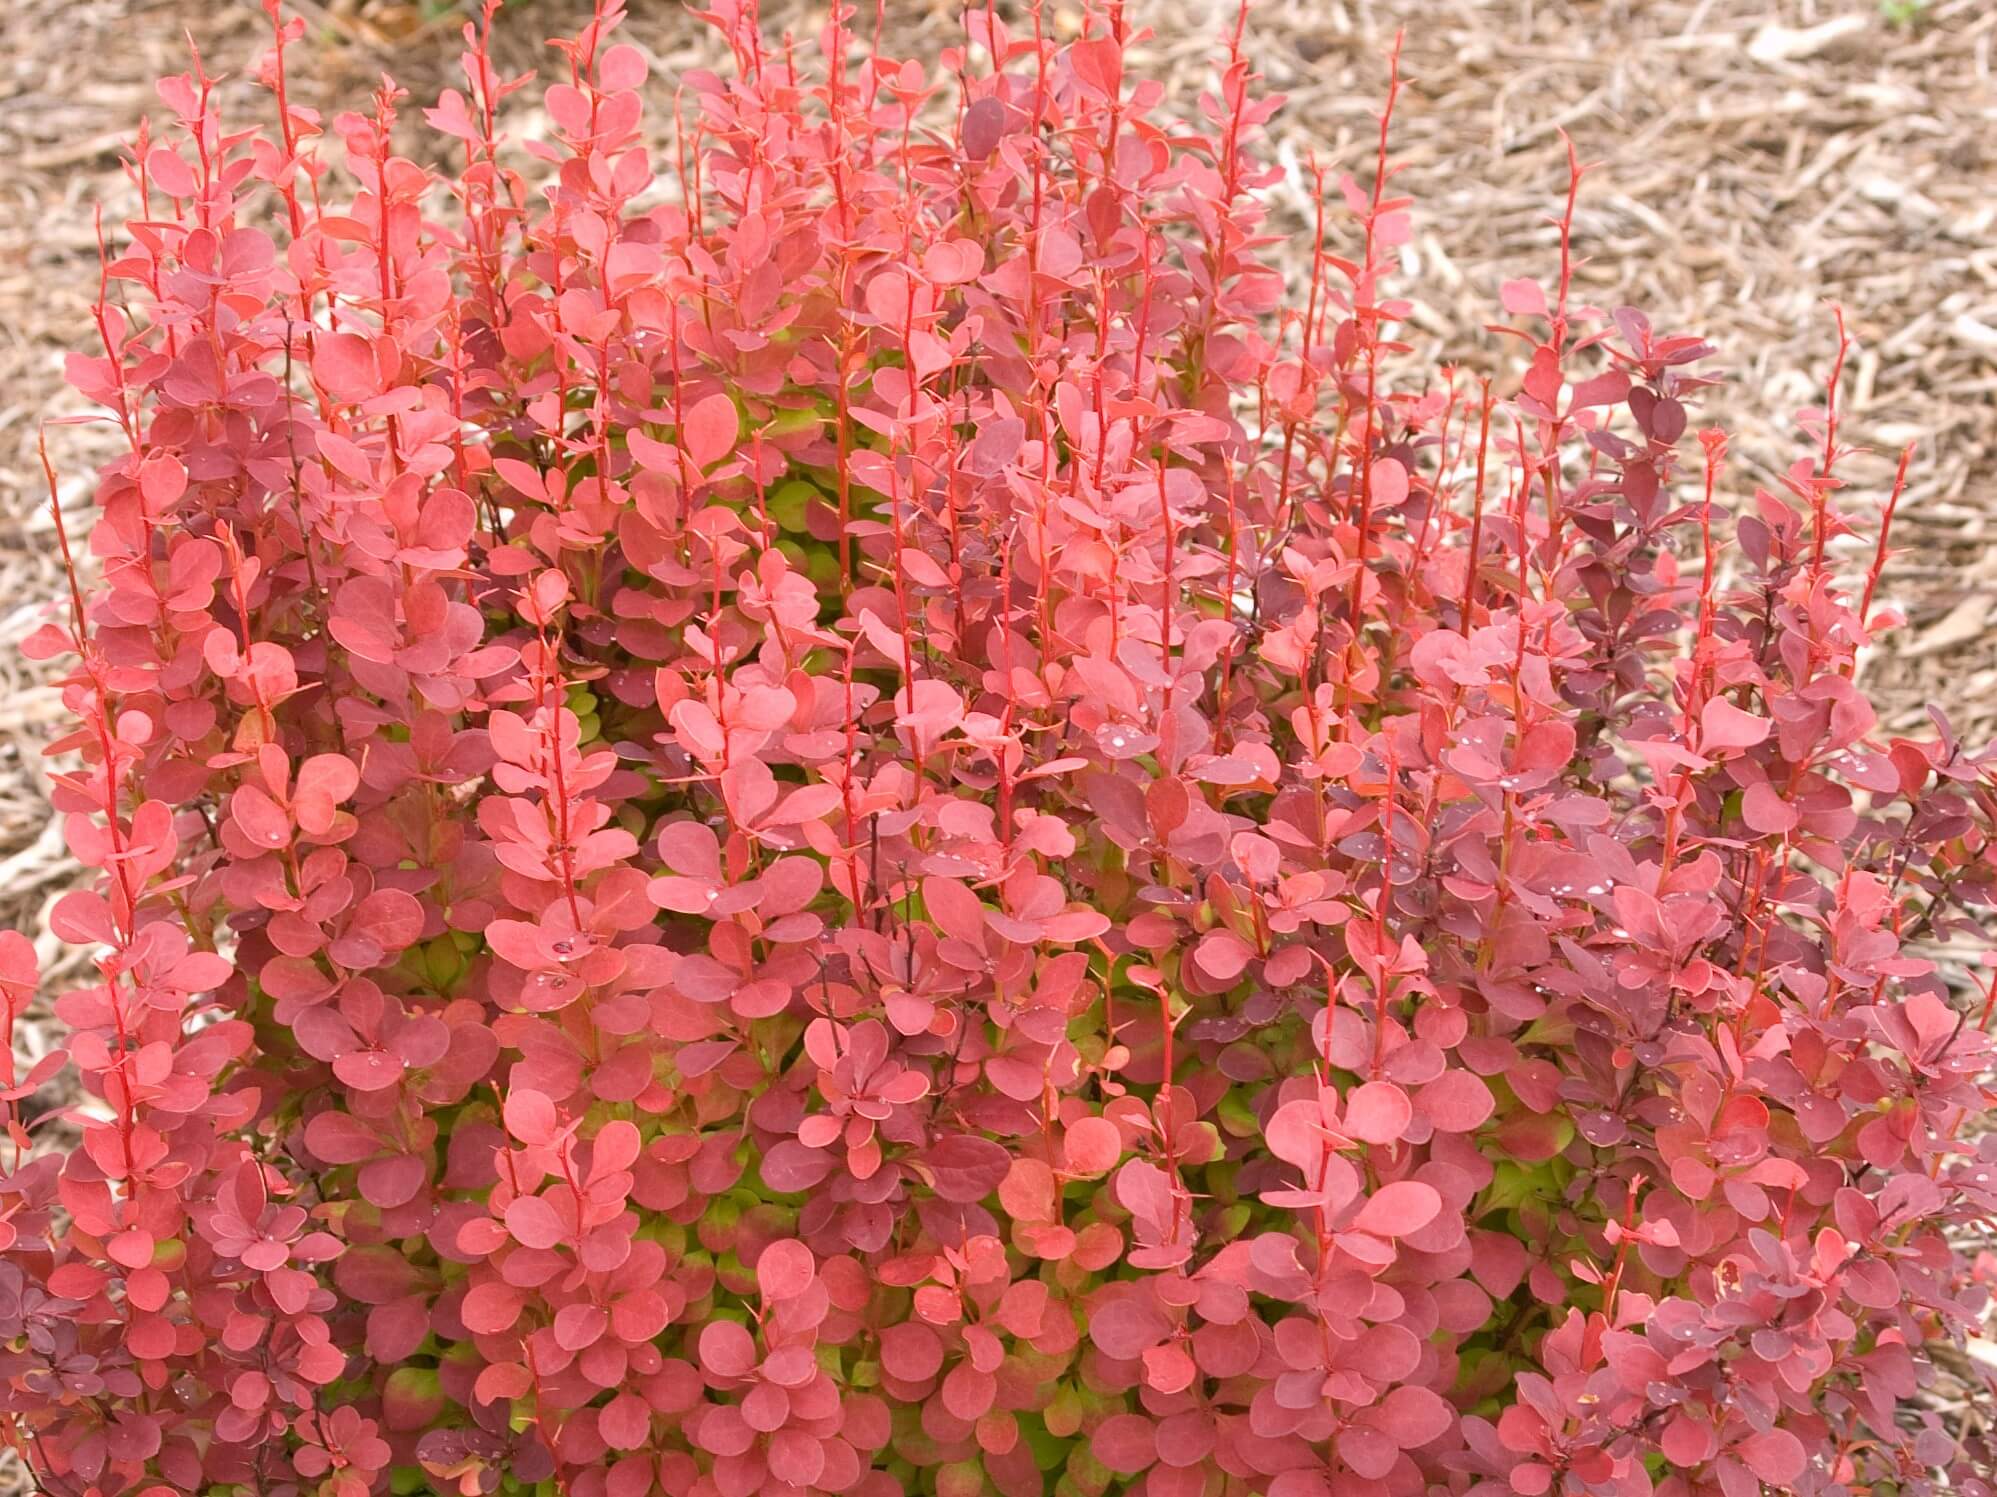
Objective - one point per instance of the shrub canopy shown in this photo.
(854, 811)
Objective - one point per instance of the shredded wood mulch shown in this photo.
(1758, 160)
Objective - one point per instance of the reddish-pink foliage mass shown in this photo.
(855, 814)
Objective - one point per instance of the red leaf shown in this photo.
(490, 1307)
(968, 1392)
(984, 126)
(1687, 1441)
(1377, 1112)
(1523, 298)
(1764, 810)
(259, 817)
(1456, 1102)
(622, 67)
(1028, 1192)
(796, 1457)
(966, 1168)
(1125, 1442)
(390, 917)
(1775, 1455)
(1398, 1208)
(911, 1351)
(625, 1423)
(1127, 1326)
(1223, 955)
(324, 781)
(956, 911)
(726, 1349)
(1724, 727)
(1388, 480)
(1092, 1146)
(1168, 1368)
(534, 1222)
(1098, 63)
(1186, 1440)
(1414, 1416)
(1297, 1134)
(711, 429)
(785, 1270)
(345, 364)
(530, 1116)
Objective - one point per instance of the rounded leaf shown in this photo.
(911, 1351)
(727, 1349)
(1126, 1443)
(1377, 1112)
(1775, 1455)
(1414, 1416)
(1396, 1209)
(1093, 1146)
(1457, 1101)
(534, 1222)
(785, 1270)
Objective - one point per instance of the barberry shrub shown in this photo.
(872, 818)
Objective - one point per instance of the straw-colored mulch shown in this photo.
(1759, 159)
